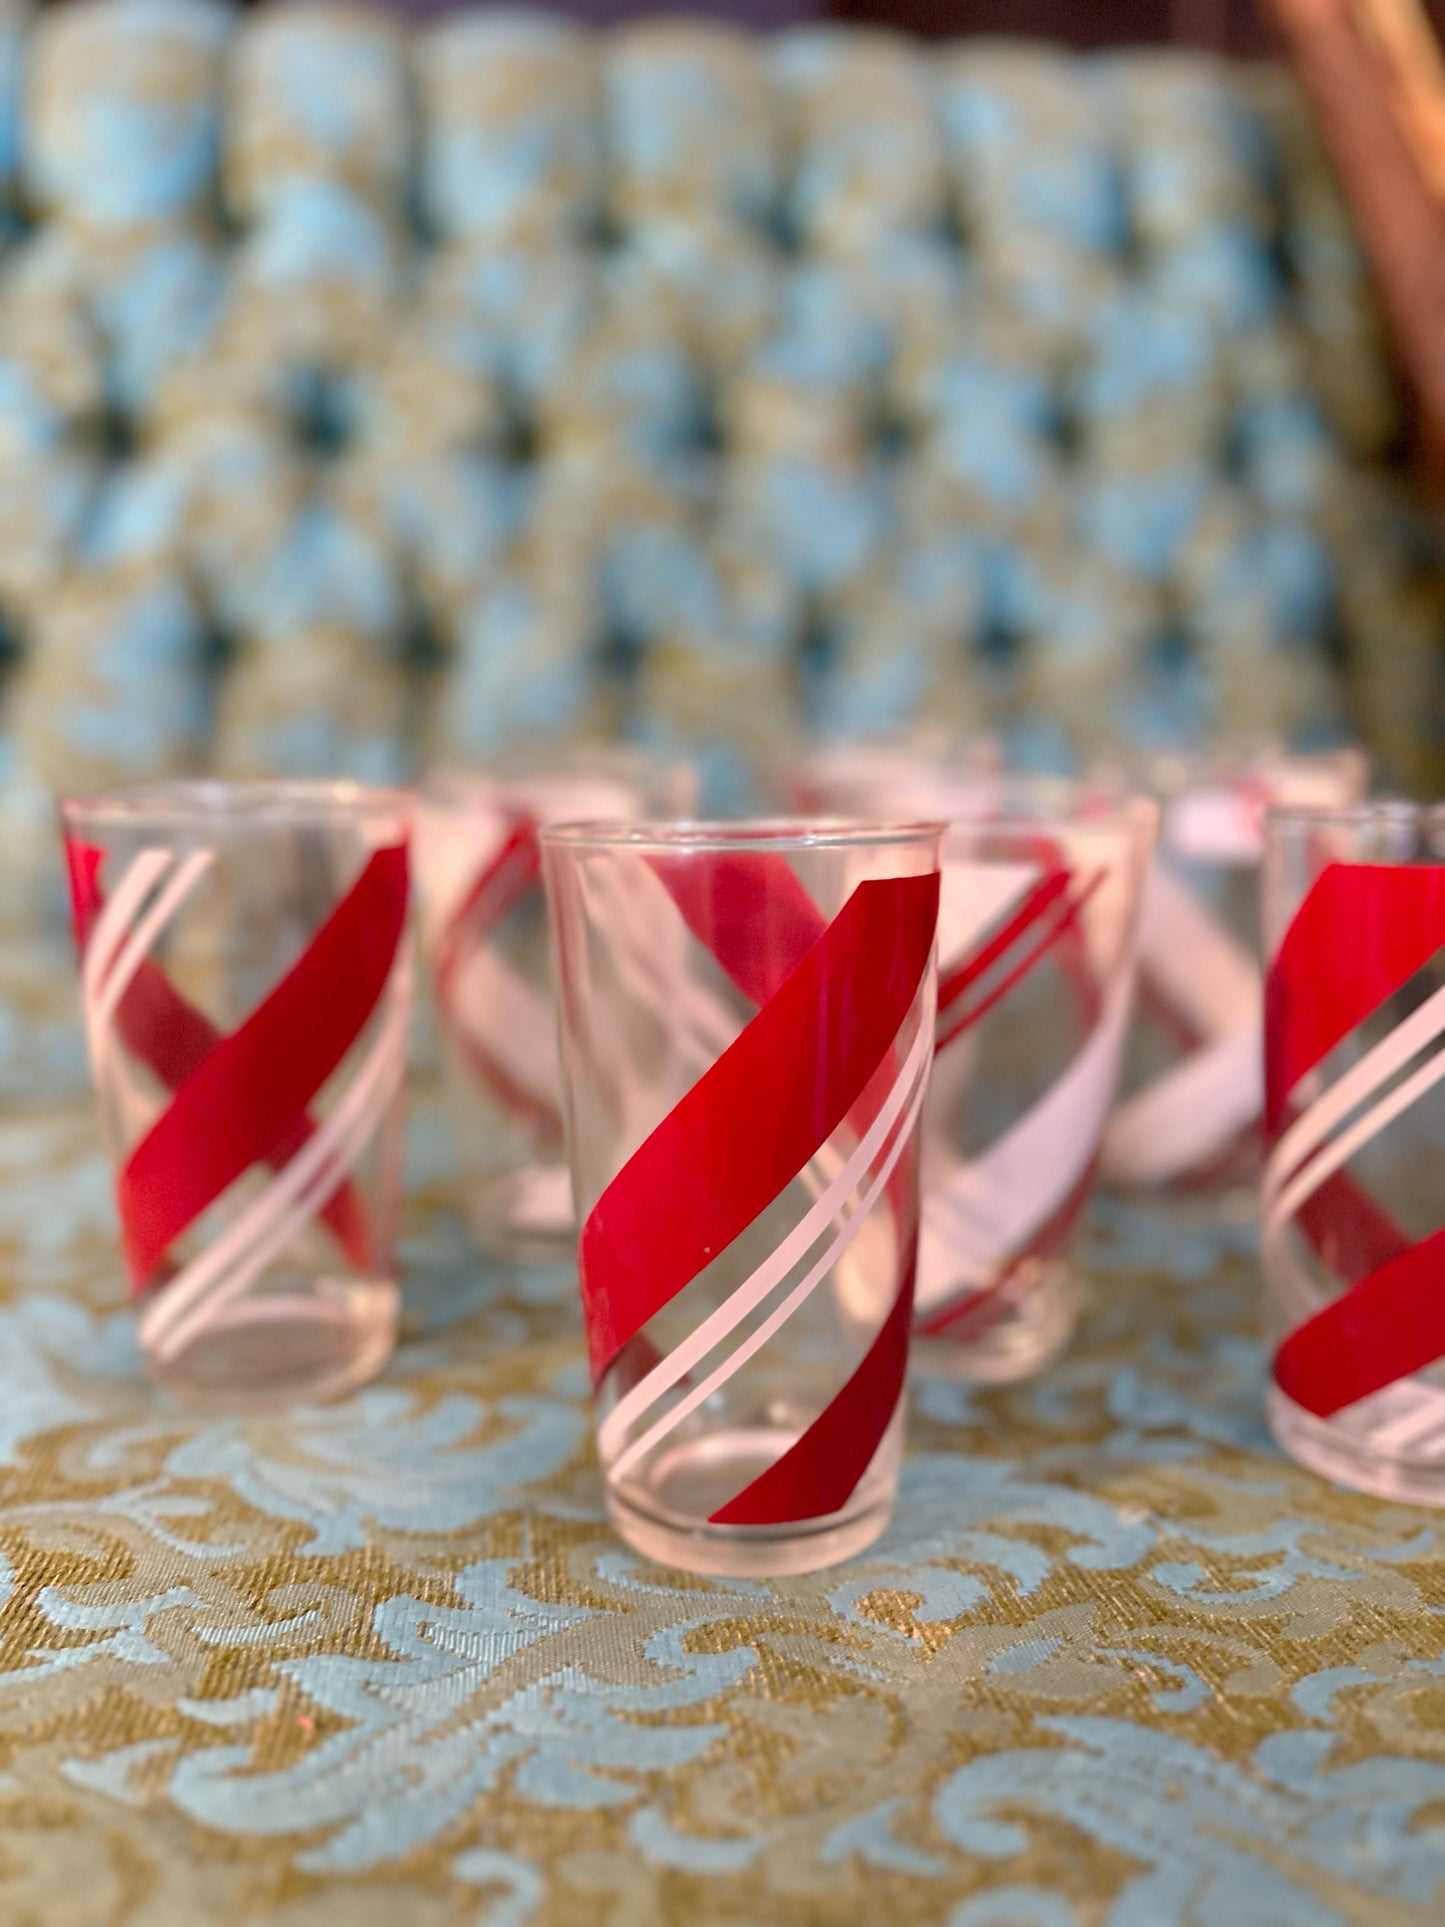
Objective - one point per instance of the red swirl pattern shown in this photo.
(1360, 936)
(244, 1099)
(500, 886)
(1047, 923)
(833, 999)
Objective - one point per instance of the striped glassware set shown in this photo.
(808, 1097)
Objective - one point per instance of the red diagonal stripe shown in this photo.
(1389, 1325)
(241, 1104)
(164, 1031)
(1347, 1230)
(758, 921)
(497, 890)
(1055, 899)
(819, 1471)
(963, 976)
(740, 1136)
(1065, 922)
(1360, 935)
(757, 934)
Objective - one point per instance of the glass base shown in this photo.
(524, 1217)
(1028, 1332)
(1344, 1453)
(284, 1348)
(658, 1514)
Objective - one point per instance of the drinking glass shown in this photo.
(246, 983)
(1352, 1201)
(1041, 885)
(484, 929)
(1192, 1090)
(746, 1027)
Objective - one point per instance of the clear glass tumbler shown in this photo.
(1352, 1211)
(1036, 932)
(246, 984)
(484, 929)
(747, 1027)
(1192, 1089)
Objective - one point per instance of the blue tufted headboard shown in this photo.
(367, 398)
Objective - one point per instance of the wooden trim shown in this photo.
(1400, 221)
(1402, 34)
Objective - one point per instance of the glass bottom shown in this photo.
(284, 1347)
(1029, 1332)
(1344, 1450)
(662, 1513)
(524, 1217)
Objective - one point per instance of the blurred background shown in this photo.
(380, 389)
(1223, 26)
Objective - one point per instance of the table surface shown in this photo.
(383, 1662)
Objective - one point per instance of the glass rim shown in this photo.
(1133, 814)
(723, 835)
(187, 801)
(1371, 811)
(1030, 800)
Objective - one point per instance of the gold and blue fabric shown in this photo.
(1115, 1661)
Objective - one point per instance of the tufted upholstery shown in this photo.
(365, 398)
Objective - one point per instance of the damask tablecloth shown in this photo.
(383, 1662)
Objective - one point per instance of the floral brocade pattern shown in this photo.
(1115, 1661)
